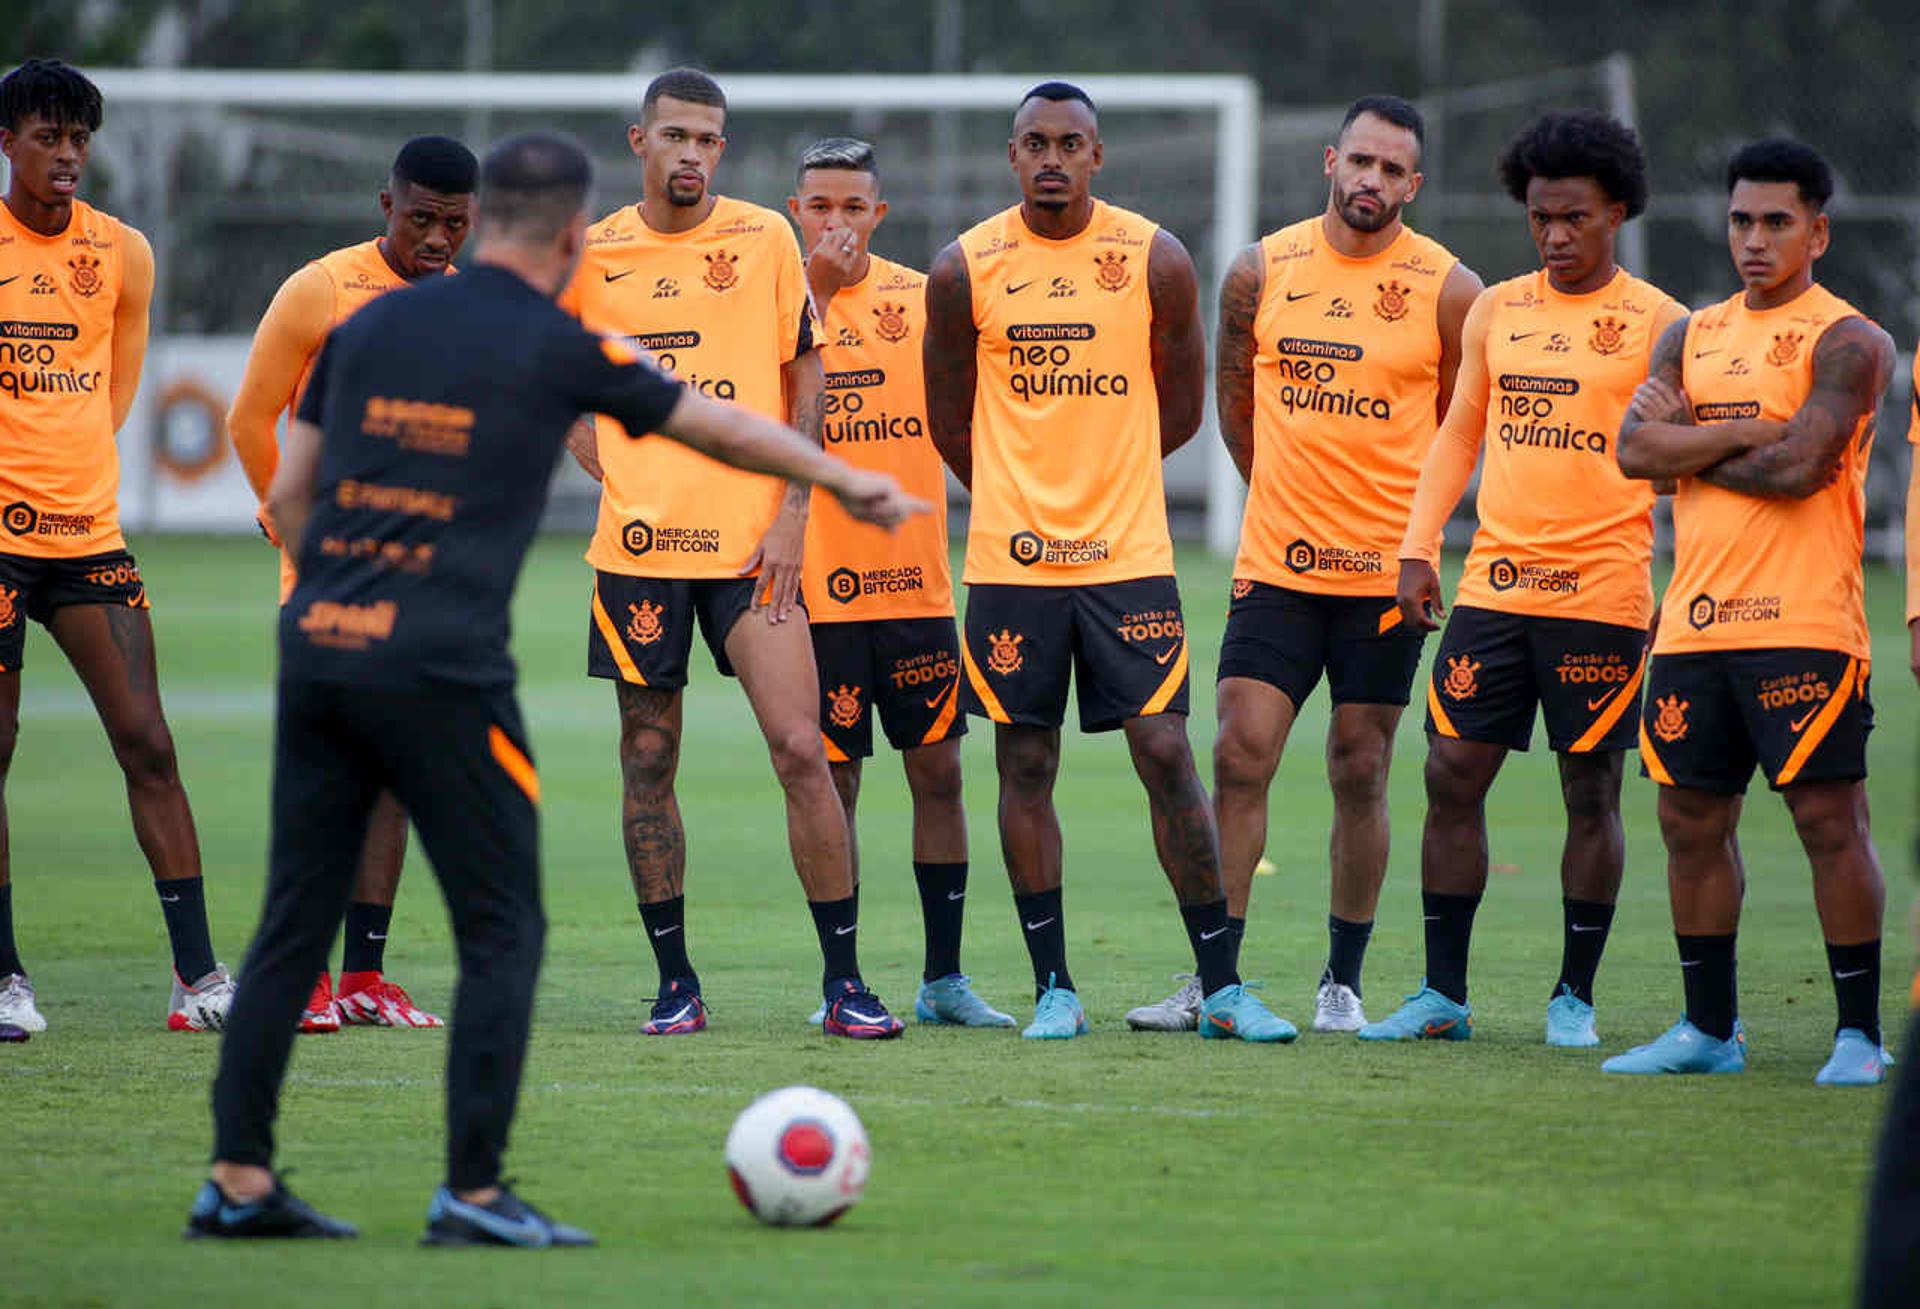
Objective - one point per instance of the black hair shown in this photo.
(686, 84)
(439, 163)
(1579, 143)
(533, 184)
(1393, 109)
(49, 89)
(1059, 91)
(1778, 159)
(837, 153)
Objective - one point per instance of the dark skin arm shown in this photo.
(1233, 353)
(1179, 342)
(1659, 440)
(1457, 294)
(951, 366)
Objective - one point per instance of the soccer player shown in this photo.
(1339, 339)
(1064, 361)
(1762, 408)
(880, 605)
(1554, 604)
(74, 287)
(429, 430)
(715, 288)
(428, 203)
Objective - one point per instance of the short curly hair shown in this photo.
(1579, 143)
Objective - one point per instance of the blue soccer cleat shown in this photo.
(504, 1220)
(1234, 1012)
(1684, 1048)
(951, 1001)
(1057, 1017)
(277, 1215)
(1426, 1016)
(1570, 1020)
(677, 1011)
(1856, 1061)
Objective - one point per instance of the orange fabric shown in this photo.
(1751, 573)
(1816, 731)
(1067, 488)
(629, 671)
(1442, 723)
(516, 764)
(877, 418)
(1346, 380)
(1913, 500)
(720, 308)
(943, 721)
(1627, 695)
(978, 680)
(1651, 758)
(1170, 685)
(59, 464)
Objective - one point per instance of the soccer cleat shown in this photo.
(855, 1012)
(10, 1034)
(504, 1220)
(17, 1008)
(320, 1017)
(1426, 1016)
(1235, 1012)
(677, 1011)
(278, 1215)
(1336, 1008)
(950, 1000)
(1570, 1020)
(1179, 1012)
(203, 1006)
(818, 1016)
(1856, 1061)
(1057, 1017)
(1684, 1048)
(380, 1003)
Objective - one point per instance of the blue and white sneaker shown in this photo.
(1856, 1061)
(277, 1215)
(677, 1011)
(1684, 1048)
(1057, 1017)
(1234, 1012)
(951, 1001)
(506, 1220)
(1426, 1016)
(1570, 1020)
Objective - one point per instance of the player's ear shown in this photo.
(1822, 233)
(386, 204)
(793, 207)
(879, 212)
(1326, 166)
(1616, 214)
(1099, 154)
(636, 139)
(1413, 185)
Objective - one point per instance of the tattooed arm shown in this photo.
(1659, 440)
(1179, 342)
(951, 365)
(1233, 351)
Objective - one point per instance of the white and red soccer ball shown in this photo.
(798, 1157)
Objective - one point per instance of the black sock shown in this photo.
(366, 947)
(1707, 969)
(1237, 933)
(1449, 924)
(1212, 939)
(1346, 951)
(1856, 985)
(943, 903)
(666, 924)
(183, 902)
(9, 953)
(1584, 929)
(838, 924)
(1046, 935)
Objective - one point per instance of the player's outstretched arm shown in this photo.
(130, 324)
(1179, 341)
(289, 335)
(1852, 365)
(1458, 295)
(950, 364)
(1233, 352)
(1658, 437)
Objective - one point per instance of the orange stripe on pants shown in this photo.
(1441, 723)
(629, 671)
(944, 719)
(988, 700)
(1169, 688)
(516, 764)
(1822, 724)
(1611, 714)
(1655, 769)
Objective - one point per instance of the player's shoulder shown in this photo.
(742, 220)
(621, 227)
(1522, 291)
(1424, 259)
(994, 237)
(1120, 226)
(1829, 312)
(890, 278)
(356, 267)
(1289, 244)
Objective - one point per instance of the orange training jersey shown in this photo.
(59, 466)
(1563, 532)
(877, 418)
(1066, 419)
(722, 307)
(1346, 385)
(1751, 573)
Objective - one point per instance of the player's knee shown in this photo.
(1590, 798)
(145, 752)
(1829, 822)
(1242, 759)
(934, 778)
(9, 737)
(1027, 767)
(1161, 753)
(1357, 772)
(648, 757)
(1694, 825)
(1452, 787)
(797, 753)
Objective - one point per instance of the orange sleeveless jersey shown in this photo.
(1346, 383)
(1563, 533)
(1752, 573)
(722, 308)
(877, 418)
(59, 466)
(1066, 419)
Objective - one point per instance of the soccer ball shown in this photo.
(798, 1157)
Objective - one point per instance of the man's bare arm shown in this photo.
(951, 364)
(583, 443)
(1462, 287)
(1234, 349)
(1178, 341)
(1659, 440)
(290, 497)
(130, 325)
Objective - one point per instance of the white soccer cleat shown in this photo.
(17, 1006)
(1179, 1012)
(1337, 1009)
(203, 1006)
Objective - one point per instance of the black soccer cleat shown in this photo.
(506, 1220)
(855, 1012)
(278, 1215)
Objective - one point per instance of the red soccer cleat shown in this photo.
(319, 1016)
(370, 1000)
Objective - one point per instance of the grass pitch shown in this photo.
(1120, 1169)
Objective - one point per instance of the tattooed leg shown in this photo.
(649, 813)
(1183, 831)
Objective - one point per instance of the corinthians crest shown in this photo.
(1110, 272)
(1391, 304)
(86, 274)
(1670, 724)
(1609, 336)
(844, 708)
(645, 627)
(1005, 658)
(1786, 348)
(7, 612)
(1461, 683)
(890, 321)
(721, 273)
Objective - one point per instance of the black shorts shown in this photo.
(1287, 639)
(907, 668)
(32, 587)
(1124, 643)
(1493, 668)
(642, 627)
(1802, 715)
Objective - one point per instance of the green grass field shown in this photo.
(1121, 1169)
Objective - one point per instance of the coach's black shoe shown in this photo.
(508, 1220)
(278, 1215)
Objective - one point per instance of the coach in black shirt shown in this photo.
(408, 491)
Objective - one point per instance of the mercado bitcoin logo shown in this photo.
(637, 536)
(1501, 575)
(1026, 548)
(843, 585)
(1301, 556)
(1700, 611)
(20, 517)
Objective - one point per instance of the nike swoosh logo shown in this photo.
(376, 936)
(843, 931)
(5, 280)
(1521, 336)
(1858, 972)
(614, 277)
(1582, 927)
(1162, 659)
(1595, 704)
(940, 699)
(1015, 290)
(1702, 354)
(849, 1012)
(666, 931)
(1690, 963)
(1435, 1029)
(169, 899)
(1218, 931)
(528, 1231)
(1302, 295)
(1804, 719)
(956, 895)
(1034, 927)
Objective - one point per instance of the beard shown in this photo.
(1360, 220)
(685, 197)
